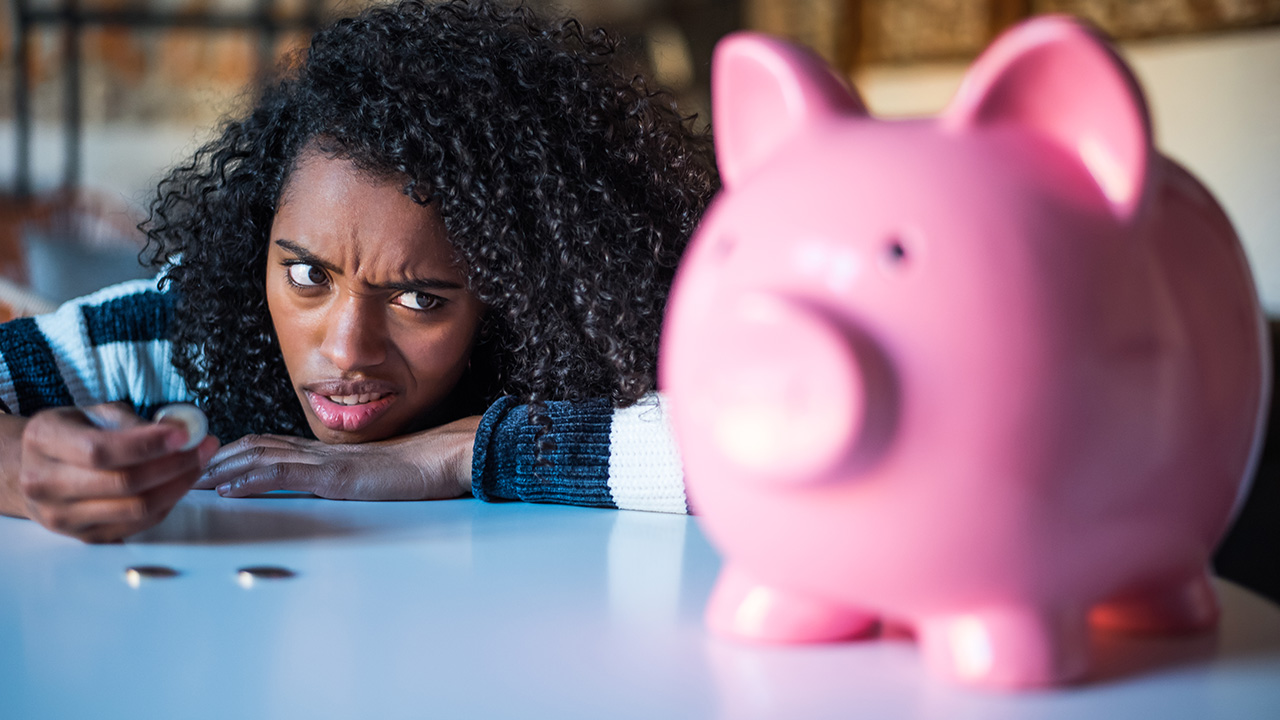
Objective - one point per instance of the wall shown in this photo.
(1215, 103)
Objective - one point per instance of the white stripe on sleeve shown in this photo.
(91, 376)
(645, 472)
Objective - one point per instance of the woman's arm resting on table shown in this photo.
(429, 465)
(97, 480)
(602, 457)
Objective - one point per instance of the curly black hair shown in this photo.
(569, 191)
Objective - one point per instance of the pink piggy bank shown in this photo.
(996, 375)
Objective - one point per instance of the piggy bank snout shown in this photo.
(795, 394)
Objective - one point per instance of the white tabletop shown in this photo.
(460, 609)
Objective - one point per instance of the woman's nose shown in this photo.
(355, 333)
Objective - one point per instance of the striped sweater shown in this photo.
(113, 346)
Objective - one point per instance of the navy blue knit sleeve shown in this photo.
(573, 468)
(593, 454)
(31, 367)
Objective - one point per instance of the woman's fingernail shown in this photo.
(224, 488)
(176, 441)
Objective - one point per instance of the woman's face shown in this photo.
(368, 302)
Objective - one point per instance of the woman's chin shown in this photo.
(343, 437)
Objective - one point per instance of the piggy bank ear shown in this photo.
(1058, 77)
(764, 90)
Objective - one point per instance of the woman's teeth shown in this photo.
(355, 399)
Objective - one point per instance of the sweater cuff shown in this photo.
(573, 468)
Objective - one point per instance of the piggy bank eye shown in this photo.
(895, 256)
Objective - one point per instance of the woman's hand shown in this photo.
(429, 465)
(102, 473)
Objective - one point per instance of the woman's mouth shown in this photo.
(348, 413)
(354, 399)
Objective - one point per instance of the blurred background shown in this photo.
(99, 97)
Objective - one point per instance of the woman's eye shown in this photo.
(304, 275)
(418, 300)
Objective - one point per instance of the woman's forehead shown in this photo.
(352, 219)
(317, 171)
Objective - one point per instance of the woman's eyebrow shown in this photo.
(408, 285)
(307, 256)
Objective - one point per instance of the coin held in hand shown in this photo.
(188, 416)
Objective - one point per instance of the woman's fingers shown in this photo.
(50, 479)
(106, 519)
(263, 463)
(67, 435)
(299, 477)
(102, 473)
(258, 464)
(113, 415)
(254, 452)
(431, 464)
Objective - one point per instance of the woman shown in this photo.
(445, 210)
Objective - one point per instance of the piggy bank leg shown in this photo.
(1009, 648)
(1181, 606)
(744, 608)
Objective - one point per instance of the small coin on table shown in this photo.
(136, 574)
(247, 576)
